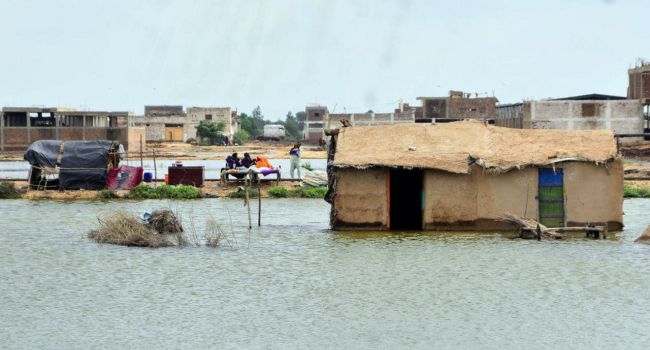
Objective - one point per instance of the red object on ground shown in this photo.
(124, 177)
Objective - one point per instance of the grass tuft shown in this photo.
(635, 192)
(8, 190)
(241, 193)
(106, 194)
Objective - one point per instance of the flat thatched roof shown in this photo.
(454, 147)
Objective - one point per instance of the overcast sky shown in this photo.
(284, 54)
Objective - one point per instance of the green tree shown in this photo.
(292, 128)
(240, 137)
(213, 131)
(253, 124)
(301, 117)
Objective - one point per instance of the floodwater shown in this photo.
(294, 284)
(19, 169)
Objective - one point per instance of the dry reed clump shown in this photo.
(126, 229)
(165, 221)
(214, 234)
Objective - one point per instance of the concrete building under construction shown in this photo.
(584, 112)
(173, 124)
(639, 88)
(20, 126)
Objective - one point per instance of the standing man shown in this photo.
(296, 154)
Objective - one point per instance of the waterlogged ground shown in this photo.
(294, 284)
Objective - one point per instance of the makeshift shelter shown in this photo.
(68, 165)
(467, 175)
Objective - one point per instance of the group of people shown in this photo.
(233, 162)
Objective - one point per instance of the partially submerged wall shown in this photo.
(594, 194)
(361, 199)
(478, 200)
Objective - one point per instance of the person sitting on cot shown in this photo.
(232, 161)
(262, 162)
(247, 161)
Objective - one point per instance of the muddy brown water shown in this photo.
(294, 284)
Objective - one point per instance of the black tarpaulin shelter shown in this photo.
(78, 164)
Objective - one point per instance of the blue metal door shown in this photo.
(551, 197)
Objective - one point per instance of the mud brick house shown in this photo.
(467, 175)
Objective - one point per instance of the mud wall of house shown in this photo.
(477, 200)
(361, 199)
(594, 194)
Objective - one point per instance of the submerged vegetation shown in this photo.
(162, 228)
(123, 228)
(164, 192)
(635, 192)
(8, 190)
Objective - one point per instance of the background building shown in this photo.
(458, 105)
(20, 126)
(584, 112)
(172, 124)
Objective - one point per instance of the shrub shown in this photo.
(164, 192)
(106, 194)
(308, 192)
(8, 190)
(240, 137)
(278, 192)
(241, 193)
(315, 192)
(635, 192)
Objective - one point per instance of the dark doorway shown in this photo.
(406, 199)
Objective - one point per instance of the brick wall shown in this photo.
(472, 108)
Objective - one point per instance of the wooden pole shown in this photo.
(141, 160)
(248, 203)
(259, 204)
(155, 169)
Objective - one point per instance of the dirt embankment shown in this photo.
(639, 149)
(185, 151)
(210, 189)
